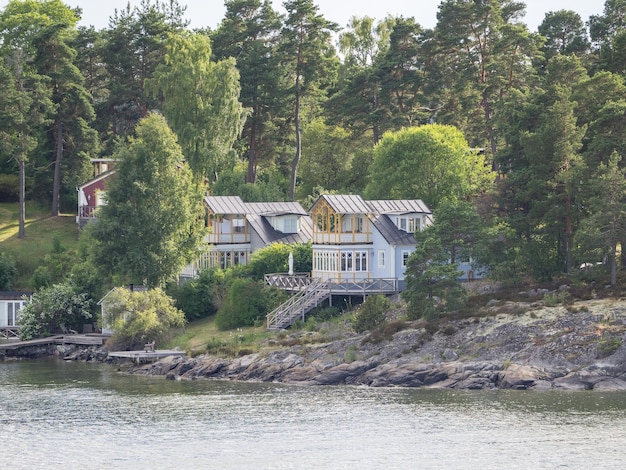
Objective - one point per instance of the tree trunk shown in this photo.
(22, 215)
(296, 160)
(252, 156)
(56, 184)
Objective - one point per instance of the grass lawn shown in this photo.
(41, 230)
(202, 336)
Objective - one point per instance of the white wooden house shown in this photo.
(357, 241)
(237, 229)
(11, 302)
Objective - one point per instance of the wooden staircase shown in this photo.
(298, 305)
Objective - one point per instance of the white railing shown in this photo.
(285, 281)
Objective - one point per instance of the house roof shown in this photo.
(268, 234)
(14, 295)
(225, 204)
(399, 206)
(256, 214)
(270, 209)
(100, 177)
(346, 203)
(391, 233)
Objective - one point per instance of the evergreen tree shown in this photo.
(248, 33)
(309, 61)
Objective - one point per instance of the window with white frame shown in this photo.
(381, 258)
(290, 225)
(360, 261)
(405, 257)
(239, 225)
(13, 309)
(415, 224)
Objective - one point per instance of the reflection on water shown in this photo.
(55, 414)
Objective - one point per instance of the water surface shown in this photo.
(68, 415)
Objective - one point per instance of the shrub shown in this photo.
(197, 297)
(325, 313)
(246, 304)
(371, 313)
(140, 316)
(52, 310)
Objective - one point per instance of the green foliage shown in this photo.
(52, 309)
(200, 102)
(198, 297)
(246, 304)
(432, 286)
(275, 259)
(151, 225)
(432, 162)
(371, 313)
(323, 314)
(140, 316)
(7, 270)
(9, 188)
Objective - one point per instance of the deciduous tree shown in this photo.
(432, 163)
(151, 225)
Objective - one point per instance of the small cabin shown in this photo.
(11, 302)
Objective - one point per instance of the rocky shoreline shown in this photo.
(519, 346)
(510, 345)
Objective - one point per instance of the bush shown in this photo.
(52, 310)
(246, 304)
(275, 259)
(140, 316)
(197, 297)
(371, 313)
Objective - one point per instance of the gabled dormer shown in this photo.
(341, 219)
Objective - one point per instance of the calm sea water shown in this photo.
(62, 415)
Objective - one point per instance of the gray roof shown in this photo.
(379, 212)
(275, 208)
(256, 213)
(399, 206)
(391, 233)
(346, 204)
(225, 204)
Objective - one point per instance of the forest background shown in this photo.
(268, 106)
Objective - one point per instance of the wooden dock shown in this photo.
(142, 357)
(82, 340)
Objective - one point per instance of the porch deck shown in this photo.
(299, 281)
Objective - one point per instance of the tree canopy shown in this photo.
(152, 224)
(431, 162)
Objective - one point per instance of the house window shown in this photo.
(415, 225)
(240, 257)
(402, 224)
(13, 309)
(239, 225)
(346, 261)
(381, 259)
(291, 225)
(359, 225)
(405, 257)
(360, 261)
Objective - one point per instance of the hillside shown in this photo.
(42, 233)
